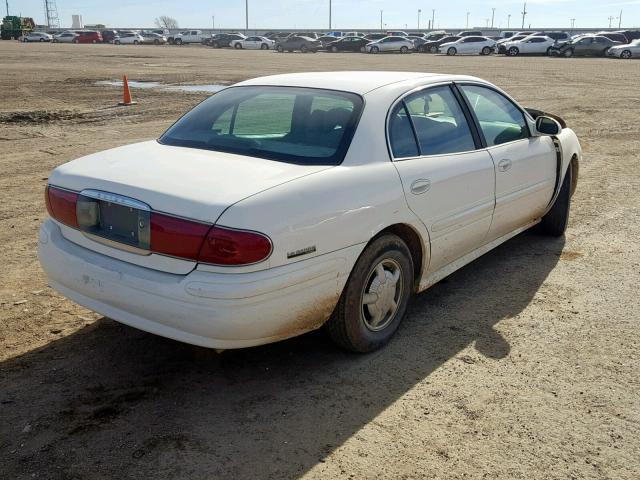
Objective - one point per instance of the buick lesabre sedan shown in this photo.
(285, 203)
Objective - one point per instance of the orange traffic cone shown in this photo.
(126, 98)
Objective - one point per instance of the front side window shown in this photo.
(290, 124)
(500, 120)
(439, 122)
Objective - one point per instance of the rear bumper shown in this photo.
(201, 308)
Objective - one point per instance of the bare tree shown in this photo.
(166, 22)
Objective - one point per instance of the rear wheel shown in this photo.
(554, 223)
(304, 49)
(452, 51)
(334, 49)
(156, 42)
(626, 54)
(433, 49)
(375, 298)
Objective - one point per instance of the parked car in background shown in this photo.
(252, 43)
(161, 31)
(108, 35)
(303, 44)
(500, 44)
(390, 44)
(354, 34)
(629, 50)
(129, 39)
(37, 37)
(190, 36)
(417, 34)
(312, 35)
(88, 37)
(432, 46)
(222, 40)
(374, 36)
(396, 33)
(507, 34)
(469, 46)
(334, 33)
(616, 37)
(153, 38)
(64, 37)
(587, 46)
(327, 39)
(285, 203)
(435, 36)
(532, 45)
(630, 34)
(418, 42)
(347, 44)
(470, 33)
(558, 37)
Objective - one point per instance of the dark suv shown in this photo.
(304, 44)
(221, 40)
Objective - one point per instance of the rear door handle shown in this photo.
(504, 165)
(421, 185)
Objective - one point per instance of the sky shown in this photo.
(314, 14)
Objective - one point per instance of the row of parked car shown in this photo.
(155, 37)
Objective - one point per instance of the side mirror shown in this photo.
(547, 126)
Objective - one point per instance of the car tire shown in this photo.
(76, 41)
(554, 223)
(117, 42)
(178, 41)
(42, 39)
(568, 53)
(237, 46)
(549, 52)
(136, 42)
(513, 52)
(374, 50)
(264, 46)
(404, 50)
(304, 49)
(55, 40)
(451, 51)
(280, 49)
(433, 49)
(486, 51)
(156, 42)
(626, 54)
(334, 49)
(383, 278)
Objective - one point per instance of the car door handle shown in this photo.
(504, 165)
(422, 185)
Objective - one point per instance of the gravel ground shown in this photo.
(522, 365)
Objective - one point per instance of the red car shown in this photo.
(88, 37)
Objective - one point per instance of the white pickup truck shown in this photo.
(190, 36)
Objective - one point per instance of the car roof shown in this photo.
(360, 82)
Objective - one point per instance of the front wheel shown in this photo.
(264, 46)
(280, 49)
(334, 49)
(76, 41)
(486, 51)
(568, 53)
(117, 42)
(237, 46)
(626, 54)
(554, 223)
(136, 42)
(178, 41)
(513, 52)
(42, 39)
(452, 51)
(375, 298)
(156, 42)
(304, 49)
(433, 49)
(404, 50)
(374, 50)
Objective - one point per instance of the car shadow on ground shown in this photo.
(118, 401)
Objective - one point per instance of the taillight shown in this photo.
(61, 205)
(176, 236)
(225, 246)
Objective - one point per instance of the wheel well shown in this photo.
(413, 241)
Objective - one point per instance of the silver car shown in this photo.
(390, 44)
(37, 37)
(65, 37)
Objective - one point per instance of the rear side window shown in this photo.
(500, 120)
(401, 137)
(439, 122)
(290, 124)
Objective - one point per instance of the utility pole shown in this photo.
(246, 15)
(329, 14)
(7, 2)
(419, 12)
(573, 23)
(508, 20)
(468, 20)
(493, 14)
(381, 29)
(433, 19)
(620, 20)
(524, 14)
(610, 20)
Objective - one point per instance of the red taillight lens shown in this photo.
(176, 236)
(224, 246)
(61, 205)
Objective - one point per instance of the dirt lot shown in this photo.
(523, 365)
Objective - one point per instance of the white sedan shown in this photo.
(631, 50)
(469, 45)
(285, 203)
(253, 43)
(536, 44)
(37, 37)
(390, 44)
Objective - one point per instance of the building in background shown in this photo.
(76, 21)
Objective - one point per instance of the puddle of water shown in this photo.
(180, 88)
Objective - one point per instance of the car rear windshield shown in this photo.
(289, 124)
